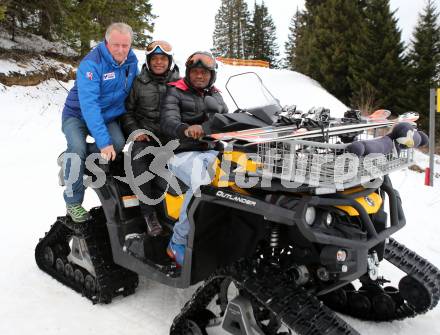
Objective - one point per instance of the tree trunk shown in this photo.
(13, 27)
(85, 44)
(45, 24)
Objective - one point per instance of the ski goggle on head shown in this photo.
(158, 46)
(203, 59)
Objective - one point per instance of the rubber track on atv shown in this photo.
(111, 279)
(297, 309)
(418, 270)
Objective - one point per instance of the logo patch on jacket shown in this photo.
(109, 76)
(89, 75)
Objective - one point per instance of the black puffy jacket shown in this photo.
(183, 107)
(143, 103)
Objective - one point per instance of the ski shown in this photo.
(282, 133)
(380, 114)
(299, 134)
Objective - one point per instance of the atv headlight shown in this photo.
(310, 215)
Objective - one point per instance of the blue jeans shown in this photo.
(75, 156)
(192, 168)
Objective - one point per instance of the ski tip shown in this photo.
(380, 114)
(410, 116)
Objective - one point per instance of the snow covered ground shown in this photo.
(33, 43)
(24, 67)
(32, 302)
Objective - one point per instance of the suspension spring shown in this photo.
(275, 235)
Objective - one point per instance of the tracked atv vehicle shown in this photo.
(281, 229)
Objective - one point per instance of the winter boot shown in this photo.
(154, 228)
(77, 213)
(176, 252)
(134, 245)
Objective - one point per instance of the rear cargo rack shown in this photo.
(324, 162)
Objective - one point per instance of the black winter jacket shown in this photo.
(183, 107)
(143, 103)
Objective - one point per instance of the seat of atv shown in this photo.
(160, 185)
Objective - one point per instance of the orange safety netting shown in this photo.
(243, 62)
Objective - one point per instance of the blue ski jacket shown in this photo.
(100, 90)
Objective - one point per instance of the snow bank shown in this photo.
(33, 43)
(27, 66)
(290, 88)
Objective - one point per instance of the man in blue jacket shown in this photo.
(103, 81)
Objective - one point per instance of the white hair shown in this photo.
(123, 28)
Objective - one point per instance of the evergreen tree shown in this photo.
(49, 14)
(424, 60)
(232, 33)
(312, 5)
(312, 9)
(327, 42)
(17, 14)
(243, 29)
(302, 62)
(263, 43)
(136, 13)
(295, 33)
(84, 26)
(223, 36)
(38, 16)
(377, 67)
(90, 18)
(77, 22)
(3, 7)
(2, 12)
